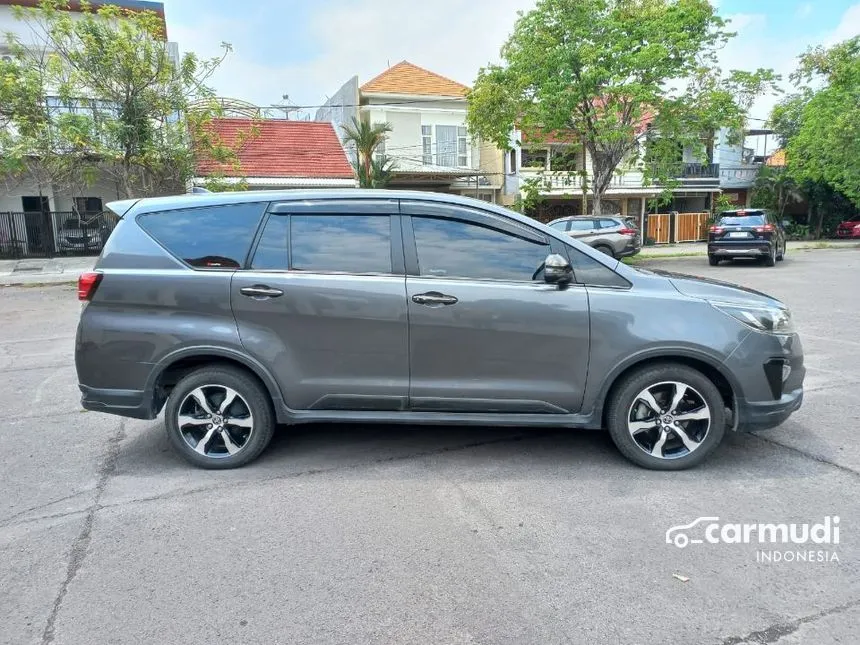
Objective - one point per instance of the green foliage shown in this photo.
(138, 109)
(601, 70)
(821, 127)
(774, 189)
(373, 171)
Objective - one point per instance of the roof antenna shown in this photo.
(388, 62)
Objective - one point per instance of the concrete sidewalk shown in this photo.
(701, 248)
(43, 270)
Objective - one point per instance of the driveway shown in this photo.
(372, 534)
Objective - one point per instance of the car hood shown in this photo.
(716, 290)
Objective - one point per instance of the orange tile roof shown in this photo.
(281, 149)
(777, 159)
(406, 78)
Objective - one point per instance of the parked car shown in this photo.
(617, 237)
(849, 228)
(749, 233)
(80, 234)
(233, 311)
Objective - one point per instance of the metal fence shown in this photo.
(52, 233)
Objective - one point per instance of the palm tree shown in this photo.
(366, 138)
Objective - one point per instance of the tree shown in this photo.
(112, 98)
(371, 172)
(604, 71)
(822, 126)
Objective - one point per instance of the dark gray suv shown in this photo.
(234, 312)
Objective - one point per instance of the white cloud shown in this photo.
(848, 27)
(803, 10)
(451, 37)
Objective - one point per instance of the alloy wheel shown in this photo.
(215, 421)
(669, 420)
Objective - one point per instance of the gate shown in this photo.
(691, 227)
(658, 227)
(44, 235)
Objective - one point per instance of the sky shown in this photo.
(308, 49)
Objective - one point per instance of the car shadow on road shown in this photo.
(316, 449)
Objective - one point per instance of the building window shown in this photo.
(564, 159)
(427, 145)
(512, 168)
(88, 205)
(534, 158)
(446, 145)
(462, 155)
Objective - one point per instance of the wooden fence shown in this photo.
(665, 228)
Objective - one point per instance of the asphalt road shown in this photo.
(361, 535)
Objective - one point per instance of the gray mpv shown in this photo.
(235, 312)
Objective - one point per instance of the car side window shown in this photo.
(608, 223)
(340, 243)
(208, 237)
(450, 248)
(590, 272)
(581, 225)
(560, 226)
(271, 253)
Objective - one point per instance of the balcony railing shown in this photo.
(700, 171)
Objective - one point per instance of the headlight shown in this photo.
(774, 320)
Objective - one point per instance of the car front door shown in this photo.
(322, 303)
(486, 333)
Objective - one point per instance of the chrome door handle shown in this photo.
(260, 291)
(434, 298)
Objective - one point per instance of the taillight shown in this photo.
(856, 226)
(87, 284)
(716, 229)
(627, 231)
(767, 228)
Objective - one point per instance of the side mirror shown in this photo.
(557, 270)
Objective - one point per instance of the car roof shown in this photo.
(744, 211)
(575, 217)
(174, 202)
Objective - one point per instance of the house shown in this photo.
(429, 143)
(277, 153)
(39, 217)
(738, 166)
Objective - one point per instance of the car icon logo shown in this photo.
(677, 534)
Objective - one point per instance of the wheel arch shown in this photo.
(725, 382)
(170, 369)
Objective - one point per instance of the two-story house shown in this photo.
(562, 171)
(429, 142)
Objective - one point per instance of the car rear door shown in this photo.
(322, 303)
(486, 333)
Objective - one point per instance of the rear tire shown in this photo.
(713, 260)
(665, 379)
(210, 435)
(605, 249)
(770, 259)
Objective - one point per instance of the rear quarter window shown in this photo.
(206, 237)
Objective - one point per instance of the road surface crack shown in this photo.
(82, 541)
(775, 632)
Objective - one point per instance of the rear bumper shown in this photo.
(125, 403)
(744, 249)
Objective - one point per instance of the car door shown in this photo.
(486, 333)
(322, 303)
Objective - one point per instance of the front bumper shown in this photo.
(125, 403)
(769, 373)
(761, 415)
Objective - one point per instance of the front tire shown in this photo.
(666, 416)
(219, 417)
(781, 256)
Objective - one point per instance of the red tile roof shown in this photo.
(406, 78)
(281, 149)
